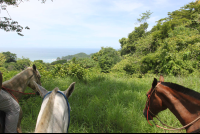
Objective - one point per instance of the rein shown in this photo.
(148, 110)
(9, 90)
(67, 106)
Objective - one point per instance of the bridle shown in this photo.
(148, 110)
(10, 91)
(148, 102)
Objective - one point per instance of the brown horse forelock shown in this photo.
(182, 89)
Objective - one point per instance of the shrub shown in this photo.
(71, 69)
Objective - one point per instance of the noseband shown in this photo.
(148, 110)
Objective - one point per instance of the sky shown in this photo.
(81, 23)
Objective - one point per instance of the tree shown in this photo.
(107, 58)
(7, 24)
(58, 58)
(2, 59)
(144, 16)
(23, 63)
(40, 61)
(128, 44)
(10, 57)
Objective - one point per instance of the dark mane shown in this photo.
(182, 89)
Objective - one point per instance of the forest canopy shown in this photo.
(170, 47)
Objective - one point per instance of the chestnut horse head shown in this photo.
(183, 102)
(154, 104)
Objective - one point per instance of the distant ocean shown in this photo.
(48, 55)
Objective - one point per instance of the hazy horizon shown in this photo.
(48, 55)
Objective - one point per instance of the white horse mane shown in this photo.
(46, 113)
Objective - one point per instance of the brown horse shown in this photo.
(17, 85)
(2, 121)
(183, 102)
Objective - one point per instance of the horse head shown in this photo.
(35, 77)
(154, 103)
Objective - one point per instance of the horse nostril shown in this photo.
(37, 93)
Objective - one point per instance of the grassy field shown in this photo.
(106, 103)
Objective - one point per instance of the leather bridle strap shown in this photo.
(148, 109)
(175, 128)
(148, 101)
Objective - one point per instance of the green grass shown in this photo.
(110, 103)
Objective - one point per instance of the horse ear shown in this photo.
(161, 79)
(70, 89)
(42, 91)
(34, 67)
(154, 83)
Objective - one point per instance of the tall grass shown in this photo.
(106, 103)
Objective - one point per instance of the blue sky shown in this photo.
(81, 23)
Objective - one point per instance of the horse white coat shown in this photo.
(53, 116)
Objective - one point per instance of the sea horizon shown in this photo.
(48, 55)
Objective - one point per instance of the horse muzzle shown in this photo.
(37, 93)
(149, 115)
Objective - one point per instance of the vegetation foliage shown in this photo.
(111, 84)
(170, 47)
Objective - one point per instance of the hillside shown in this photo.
(78, 56)
(172, 46)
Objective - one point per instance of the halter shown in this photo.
(67, 106)
(148, 101)
(9, 90)
(148, 110)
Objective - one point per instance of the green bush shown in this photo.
(71, 69)
(3, 70)
(87, 62)
(58, 62)
(21, 64)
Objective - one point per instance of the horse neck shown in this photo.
(44, 121)
(184, 107)
(18, 82)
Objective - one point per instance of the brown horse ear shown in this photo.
(34, 67)
(154, 83)
(161, 79)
